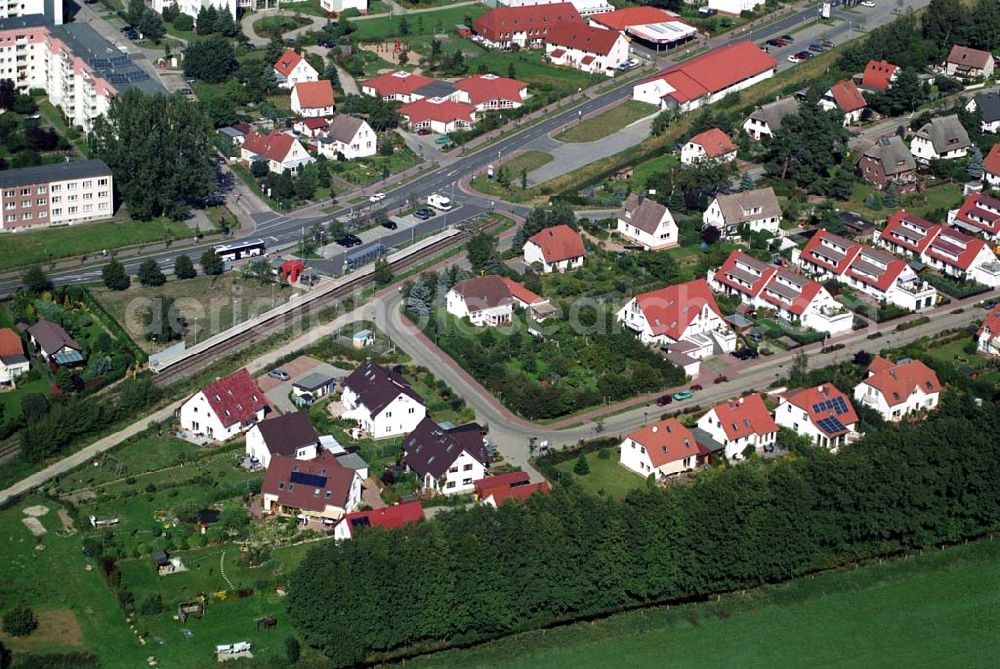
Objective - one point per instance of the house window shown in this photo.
(452, 470)
(450, 484)
(467, 468)
(412, 410)
(466, 481)
(388, 414)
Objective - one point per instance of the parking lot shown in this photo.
(277, 391)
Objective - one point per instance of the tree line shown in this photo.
(475, 574)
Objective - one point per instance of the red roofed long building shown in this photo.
(399, 86)
(896, 390)
(713, 144)
(506, 27)
(681, 317)
(979, 215)
(486, 92)
(224, 408)
(281, 151)
(988, 334)
(879, 75)
(739, 424)
(822, 414)
(664, 449)
(651, 27)
(556, 249)
(440, 115)
(390, 517)
(592, 50)
(707, 78)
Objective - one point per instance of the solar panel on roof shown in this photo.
(839, 405)
(831, 425)
(360, 522)
(308, 479)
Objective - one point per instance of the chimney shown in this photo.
(822, 390)
(654, 428)
(740, 401)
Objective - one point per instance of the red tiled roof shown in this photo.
(583, 38)
(315, 94)
(740, 269)
(235, 398)
(667, 441)
(492, 290)
(715, 142)
(955, 248)
(896, 382)
(886, 277)
(621, 19)
(398, 515)
(397, 83)
(314, 123)
(963, 55)
(790, 291)
(500, 24)
(744, 417)
(992, 162)
(669, 311)
(322, 482)
(815, 253)
(287, 62)
(558, 53)
(486, 87)
(991, 324)
(715, 71)
(901, 228)
(522, 294)
(10, 343)
(274, 146)
(484, 486)
(878, 74)
(442, 111)
(520, 493)
(981, 211)
(588, 59)
(814, 402)
(559, 242)
(847, 96)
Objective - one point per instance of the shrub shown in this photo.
(20, 621)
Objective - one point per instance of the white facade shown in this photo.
(338, 6)
(192, 7)
(734, 447)
(664, 236)
(734, 6)
(916, 401)
(10, 371)
(707, 330)
(533, 254)
(310, 112)
(12, 8)
(798, 421)
(923, 150)
(363, 145)
(301, 73)
(583, 7)
(257, 448)
(588, 61)
(756, 219)
(399, 417)
(654, 92)
(635, 458)
(296, 157)
(491, 316)
(460, 478)
(692, 153)
(196, 415)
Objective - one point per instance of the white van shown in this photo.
(439, 202)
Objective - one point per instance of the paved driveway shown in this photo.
(277, 391)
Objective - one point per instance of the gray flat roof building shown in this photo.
(67, 171)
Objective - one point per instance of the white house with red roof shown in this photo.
(591, 50)
(872, 271)
(991, 165)
(879, 75)
(556, 249)
(685, 313)
(292, 68)
(741, 424)
(978, 215)
(490, 301)
(488, 92)
(281, 151)
(822, 414)
(905, 234)
(402, 86)
(988, 334)
(792, 297)
(896, 390)
(313, 99)
(845, 97)
(663, 449)
(224, 408)
(647, 223)
(713, 144)
(507, 27)
(389, 517)
(440, 115)
(311, 127)
(707, 78)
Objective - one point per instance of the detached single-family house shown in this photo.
(54, 344)
(767, 119)
(792, 297)
(988, 106)
(311, 127)
(821, 414)
(663, 449)
(991, 167)
(490, 301)
(349, 137)
(448, 461)
(280, 151)
(381, 401)
(943, 138)
(488, 92)
(584, 48)
(13, 361)
(291, 435)
(740, 424)
(758, 210)
(647, 223)
(440, 115)
(879, 75)
(402, 86)
(898, 390)
(978, 215)
(292, 68)
(966, 63)
(495, 490)
(845, 97)
(556, 249)
(889, 160)
(317, 489)
(225, 408)
(683, 317)
(713, 144)
(390, 517)
(313, 99)
(988, 334)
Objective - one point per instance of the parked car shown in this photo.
(125, 29)
(377, 197)
(815, 47)
(325, 43)
(423, 214)
(190, 80)
(349, 241)
(696, 387)
(683, 395)
(279, 374)
(794, 58)
(989, 304)
(788, 38)
(868, 3)
(721, 378)
(827, 44)
(424, 131)
(390, 225)
(804, 55)
(664, 400)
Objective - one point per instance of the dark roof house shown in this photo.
(285, 435)
(376, 386)
(431, 449)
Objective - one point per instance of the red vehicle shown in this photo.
(696, 386)
(721, 378)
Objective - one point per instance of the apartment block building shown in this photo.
(51, 9)
(57, 194)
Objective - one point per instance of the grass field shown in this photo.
(606, 123)
(425, 23)
(930, 202)
(527, 161)
(940, 609)
(265, 26)
(650, 167)
(606, 477)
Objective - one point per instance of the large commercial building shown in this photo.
(58, 194)
(79, 70)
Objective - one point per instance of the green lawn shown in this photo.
(11, 400)
(931, 202)
(939, 609)
(425, 23)
(526, 161)
(139, 455)
(38, 246)
(646, 169)
(366, 171)
(529, 66)
(606, 123)
(265, 26)
(606, 477)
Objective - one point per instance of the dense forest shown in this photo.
(480, 573)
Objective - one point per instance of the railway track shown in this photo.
(268, 325)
